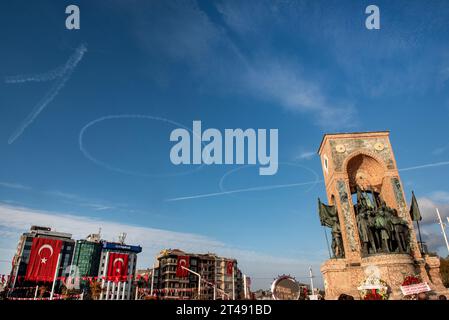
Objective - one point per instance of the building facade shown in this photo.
(22, 256)
(218, 280)
(86, 259)
(121, 288)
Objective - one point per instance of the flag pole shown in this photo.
(417, 219)
(35, 292)
(17, 274)
(442, 229)
(233, 282)
(420, 238)
(54, 278)
(244, 286)
(327, 242)
(152, 281)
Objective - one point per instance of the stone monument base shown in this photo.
(343, 276)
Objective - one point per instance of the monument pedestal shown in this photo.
(341, 276)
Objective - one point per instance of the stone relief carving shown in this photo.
(341, 186)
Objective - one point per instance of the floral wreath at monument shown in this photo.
(411, 279)
(373, 288)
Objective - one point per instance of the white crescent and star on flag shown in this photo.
(182, 262)
(45, 258)
(118, 269)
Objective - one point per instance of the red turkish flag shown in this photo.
(229, 267)
(183, 261)
(43, 259)
(118, 266)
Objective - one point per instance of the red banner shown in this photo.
(117, 266)
(229, 267)
(43, 259)
(183, 261)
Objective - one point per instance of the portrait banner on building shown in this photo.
(117, 266)
(43, 259)
(183, 261)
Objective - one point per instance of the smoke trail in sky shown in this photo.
(106, 165)
(65, 73)
(42, 77)
(290, 185)
(423, 166)
(270, 187)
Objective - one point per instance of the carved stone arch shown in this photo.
(366, 170)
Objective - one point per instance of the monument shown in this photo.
(373, 236)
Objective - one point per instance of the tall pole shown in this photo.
(442, 229)
(55, 276)
(244, 286)
(327, 242)
(17, 274)
(311, 281)
(152, 281)
(199, 279)
(113, 291)
(107, 290)
(233, 282)
(420, 239)
(35, 292)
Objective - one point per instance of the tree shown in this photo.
(95, 289)
(444, 270)
(42, 290)
(68, 293)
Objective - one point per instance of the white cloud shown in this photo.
(13, 186)
(427, 206)
(306, 155)
(430, 230)
(283, 83)
(260, 266)
(440, 196)
(190, 36)
(70, 198)
(440, 150)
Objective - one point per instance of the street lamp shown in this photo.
(199, 279)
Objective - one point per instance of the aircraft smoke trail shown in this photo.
(429, 165)
(291, 185)
(64, 76)
(107, 166)
(42, 77)
(272, 187)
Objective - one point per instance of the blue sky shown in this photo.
(303, 67)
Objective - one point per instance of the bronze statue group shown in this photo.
(380, 228)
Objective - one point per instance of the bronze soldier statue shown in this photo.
(384, 226)
(337, 243)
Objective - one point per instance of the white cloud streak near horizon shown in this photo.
(262, 267)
